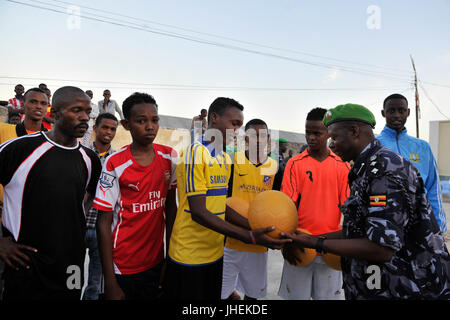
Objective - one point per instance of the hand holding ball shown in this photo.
(306, 256)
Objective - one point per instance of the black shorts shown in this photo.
(183, 282)
(45, 280)
(141, 286)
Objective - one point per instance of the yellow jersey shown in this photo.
(247, 181)
(200, 171)
(7, 132)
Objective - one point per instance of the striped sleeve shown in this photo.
(12, 153)
(173, 173)
(173, 179)
(108, 189)
(434, 194)
(195, 178)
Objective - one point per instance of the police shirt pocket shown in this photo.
(354, 217)
(385, 233)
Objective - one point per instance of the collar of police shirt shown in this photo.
(361, 161)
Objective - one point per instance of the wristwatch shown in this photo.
(319, 244)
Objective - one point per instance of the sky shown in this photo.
(279, 59)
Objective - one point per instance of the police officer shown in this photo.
(390, 243)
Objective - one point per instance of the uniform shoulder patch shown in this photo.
(378, 200)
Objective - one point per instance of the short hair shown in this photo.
(19, 85)
(203, 110)
(33, 90)
(219, 105)
(42, 85)
(136, 98)
(64, 95)
(394, 96)
(316, 114)
(105, 115)
(255, 122)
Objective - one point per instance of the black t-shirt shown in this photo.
(44, 187)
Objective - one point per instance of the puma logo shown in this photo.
(310, 175)
(135, 187)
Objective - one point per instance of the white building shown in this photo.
(440, 145)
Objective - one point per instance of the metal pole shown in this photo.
(416, 97)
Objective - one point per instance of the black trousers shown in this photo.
(141, 286)
(184, 282)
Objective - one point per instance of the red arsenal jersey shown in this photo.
(136, 195)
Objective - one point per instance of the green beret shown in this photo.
(349, 112)
(282, 140)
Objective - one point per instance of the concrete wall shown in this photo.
(440, 145)
(180, 138)
(175, 132)
(3, 113)
(434, 138)
(176, 139)
(444, 148)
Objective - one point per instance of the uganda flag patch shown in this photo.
(376, 201)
